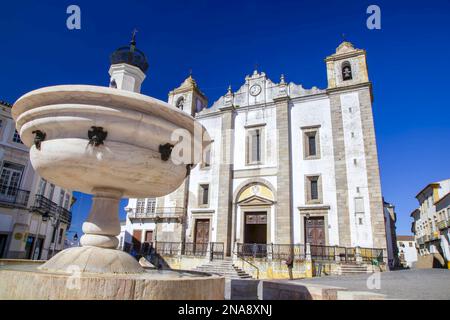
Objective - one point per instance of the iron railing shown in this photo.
(195, 249)
(216, 250)
(346, 254)
(14, 197)
(65, 216)
(165, 212)
(283, 251)
(166, 248)
(323, 253)
(43, 205)
(255, 250)
(372, 255)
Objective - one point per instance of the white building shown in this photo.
(407, 251)
(432, 221)
(390, 218)
(286, 165)
(34, 214)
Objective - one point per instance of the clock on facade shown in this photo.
(255, 90)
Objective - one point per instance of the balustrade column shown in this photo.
(308, 252)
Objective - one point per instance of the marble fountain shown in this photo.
(111, 142)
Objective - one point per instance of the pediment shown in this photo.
(256, 201)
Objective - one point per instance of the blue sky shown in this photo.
(222, 41)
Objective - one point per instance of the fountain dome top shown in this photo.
(130, 55)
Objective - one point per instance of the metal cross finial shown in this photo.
(133, 36)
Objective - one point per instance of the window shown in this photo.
(42, 186)
(1, 127)
(204, 194)
(140, 205)
(151, 205)
(66, 201)
(180, 103)
(10, 178)
(346, 71)
(16, 137)
(254, 146)
(313, 190)
(410, 244)
(206, 163)
(60, 237)
(359, 205)
(61, 197)
(51, 191)
(311, 146)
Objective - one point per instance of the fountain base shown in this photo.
(25, 280)
(93, 260)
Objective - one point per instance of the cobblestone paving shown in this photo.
(420, 284)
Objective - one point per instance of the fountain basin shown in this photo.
(129, 159)
(16, 277)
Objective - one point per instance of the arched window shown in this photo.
(180, 103)
(346, 71)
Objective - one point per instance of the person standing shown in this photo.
(290, 265)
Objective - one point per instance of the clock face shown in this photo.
(255, 90)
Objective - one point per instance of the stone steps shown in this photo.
(225, 268)
(352, 269)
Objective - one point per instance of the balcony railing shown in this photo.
(426, 238)
(14, 197)
(44, 205)
(165, 212)
(442, 224)
(420, 240)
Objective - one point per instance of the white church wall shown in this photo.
(313, 113)
(361, 235)
(210, 176)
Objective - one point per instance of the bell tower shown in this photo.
(347, 66)
(188, 97)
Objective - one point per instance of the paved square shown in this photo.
(423, 284)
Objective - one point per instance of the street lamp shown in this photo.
(45, 216)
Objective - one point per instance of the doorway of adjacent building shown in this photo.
(3, 240)
(255, 230)
(136, 240)
(149, 236)
(38, 249)
(29, 246)
(201, 235)
(315, 230)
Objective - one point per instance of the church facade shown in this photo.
(286, 165)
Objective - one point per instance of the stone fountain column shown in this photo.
(97, 253)
(102, 226)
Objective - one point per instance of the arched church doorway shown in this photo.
(255, 208)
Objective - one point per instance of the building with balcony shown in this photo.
(430, 225)
(34, 214)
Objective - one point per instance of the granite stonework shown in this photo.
(20, 284)
(345, 162)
